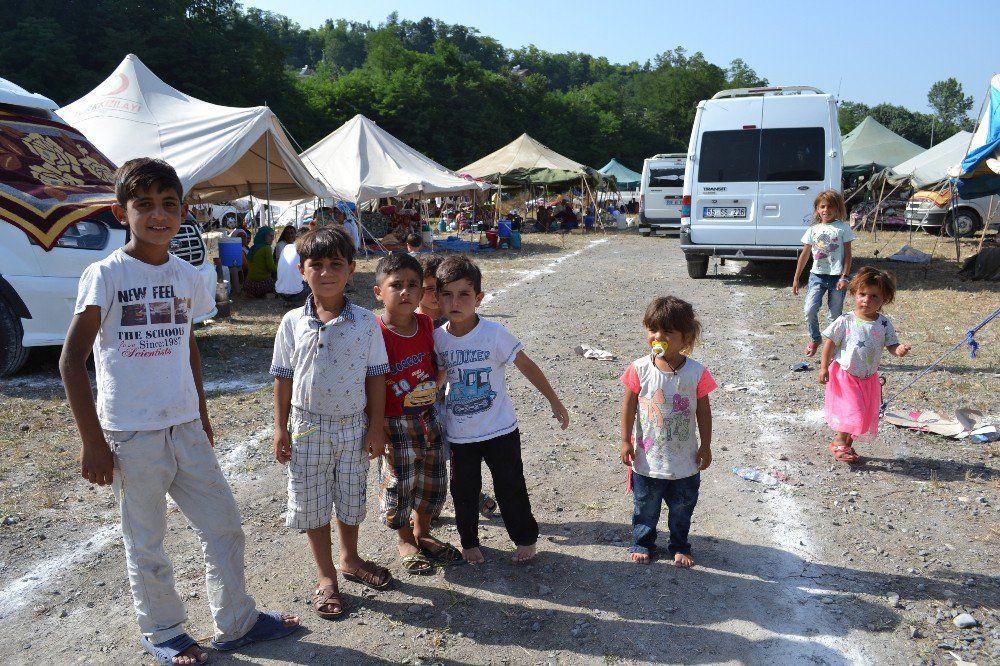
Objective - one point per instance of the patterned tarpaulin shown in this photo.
(50, 177)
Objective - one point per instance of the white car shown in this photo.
(38, 288)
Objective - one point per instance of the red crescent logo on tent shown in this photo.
(117, 86)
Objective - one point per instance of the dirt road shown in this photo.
(839, 566)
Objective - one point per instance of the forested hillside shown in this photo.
(447, 90)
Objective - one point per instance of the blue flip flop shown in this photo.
(166, 651)
(269, 626)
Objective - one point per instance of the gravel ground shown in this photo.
(840, 565)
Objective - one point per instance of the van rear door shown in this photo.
(726, 160)
(793, 165)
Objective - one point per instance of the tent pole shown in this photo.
(954, 227)
(267, 171)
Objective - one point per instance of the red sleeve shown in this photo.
(706, 384)
(630, 379)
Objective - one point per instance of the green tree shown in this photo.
(741, 75)
(947, 98)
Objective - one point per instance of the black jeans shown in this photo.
(503, 456)
(649, 495)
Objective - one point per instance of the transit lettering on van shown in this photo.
(770, 152)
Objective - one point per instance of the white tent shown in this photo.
(219, 152)
(931, 166)
(364, 162)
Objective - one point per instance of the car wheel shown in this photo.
(698, 267)
(12, 353)
(229, 220)
(962, 223)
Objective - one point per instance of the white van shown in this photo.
(38, 286)
(660, 192)
(756, 161)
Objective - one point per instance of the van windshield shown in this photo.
(666, 177)
(770, 155)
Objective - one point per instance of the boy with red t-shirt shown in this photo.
(412, 472)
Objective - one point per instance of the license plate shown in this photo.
(716, 212)
(671, 201)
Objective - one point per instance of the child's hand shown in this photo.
(627, 453)
(704, 457)
(560, 414)
(824, 375)
(902, 350)
(96, 463)
(282, 446)
(375, 445)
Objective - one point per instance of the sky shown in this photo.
(869, 52)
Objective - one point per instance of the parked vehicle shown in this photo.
(38, 287)
(660, 192)
(931, 210)
(756, 161)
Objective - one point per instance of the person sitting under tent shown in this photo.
(262, 271)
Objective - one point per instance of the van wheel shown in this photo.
(12, 353)
(962, 223)
(698, 267)
(644, 234)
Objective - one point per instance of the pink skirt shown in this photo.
(852, 404)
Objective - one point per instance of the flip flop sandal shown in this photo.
(487, 506)
(269, 626)
(446, 555)
(369, 577)
(417, 564)
(328, 595)
(165, 652)
(844, 452)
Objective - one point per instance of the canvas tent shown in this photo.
(220, 152)
(525, 161)
(929, 168)
(979, 173)
(625, 177)
(50, 175)
(361, 161)
(871, 147)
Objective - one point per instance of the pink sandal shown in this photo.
(844, 452)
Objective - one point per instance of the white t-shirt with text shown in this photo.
(142, 351)
(478, 406)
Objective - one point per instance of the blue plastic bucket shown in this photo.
(230, 251)
(504, 228)
(515, 240)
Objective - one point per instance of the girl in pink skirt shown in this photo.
(852, 347)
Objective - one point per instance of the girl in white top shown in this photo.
(849, 365)
(669, 393)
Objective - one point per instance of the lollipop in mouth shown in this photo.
(659, 348)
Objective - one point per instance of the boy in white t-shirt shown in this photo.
(149, 429)
(480, 418)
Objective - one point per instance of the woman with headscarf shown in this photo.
(262, 271)
(342, 214)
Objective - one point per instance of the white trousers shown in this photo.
(179, 461)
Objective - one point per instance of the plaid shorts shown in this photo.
(412, 474)
(328, 469)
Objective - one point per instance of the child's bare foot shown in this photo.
(641, 558)
(682, 560)
(473, 555)
(523, 554)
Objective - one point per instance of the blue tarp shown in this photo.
(626, 178)
(977, 179)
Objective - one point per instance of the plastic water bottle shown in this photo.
(751, 474)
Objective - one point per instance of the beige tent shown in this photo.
(526, 161)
